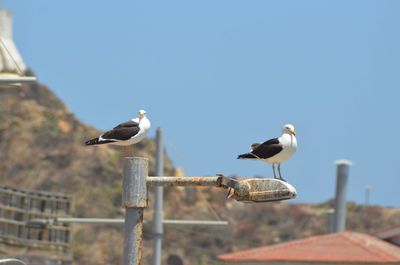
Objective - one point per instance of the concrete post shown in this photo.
(158, 214)
(134, 199)
(341, 192)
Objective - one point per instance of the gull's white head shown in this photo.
(289, 129)
(142, 114)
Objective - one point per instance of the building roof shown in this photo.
(391, 235)
(343, 247)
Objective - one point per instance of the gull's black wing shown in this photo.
(123, 131)
(263, 151)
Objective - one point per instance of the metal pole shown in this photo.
(341, 191)
(330, 218)
(367, 194)
(134, 199)
(158, 214)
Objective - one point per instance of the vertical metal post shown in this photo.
(330, 218)
(367, 194)
(134, 199)
(341, 192)
(158, 214)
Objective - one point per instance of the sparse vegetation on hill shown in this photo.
(41, 148)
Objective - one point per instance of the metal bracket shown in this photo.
(244, 189)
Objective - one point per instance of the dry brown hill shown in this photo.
(41, 147)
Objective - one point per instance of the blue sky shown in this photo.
(220, 75)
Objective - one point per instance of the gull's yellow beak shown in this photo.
(293, 132)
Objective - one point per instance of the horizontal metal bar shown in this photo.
(166, 181)
(89, 220)
(11, 262)
(117, 221)
(194, 222)
(16, 80)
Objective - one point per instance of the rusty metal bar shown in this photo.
(166, 181)
(134, 199)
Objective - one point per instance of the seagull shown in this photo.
(276, 150)
(124, 134)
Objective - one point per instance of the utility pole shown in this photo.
(158, 213)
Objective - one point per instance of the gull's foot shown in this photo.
(230, 193)
(283, 180)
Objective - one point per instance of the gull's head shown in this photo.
(289, 129)
(142, 114)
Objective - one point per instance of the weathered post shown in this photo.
(134, 199)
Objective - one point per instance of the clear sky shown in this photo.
(220, 75)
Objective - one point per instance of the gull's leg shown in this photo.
(273, 169)
(280, 175)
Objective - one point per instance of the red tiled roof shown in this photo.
(344, 247)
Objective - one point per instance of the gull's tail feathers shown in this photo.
(96, 141)
(246, 156)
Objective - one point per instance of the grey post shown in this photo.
(330, 219)
(134, 199)
(341, 191)
(367, 194)
(158, 201)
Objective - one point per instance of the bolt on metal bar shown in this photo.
(166, 181)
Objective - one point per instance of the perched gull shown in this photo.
(126, 133)
(275, 151)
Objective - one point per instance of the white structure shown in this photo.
(10, 60)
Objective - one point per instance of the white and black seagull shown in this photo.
(127, 133)
(275, 151)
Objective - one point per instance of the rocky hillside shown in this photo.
(41, 148)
